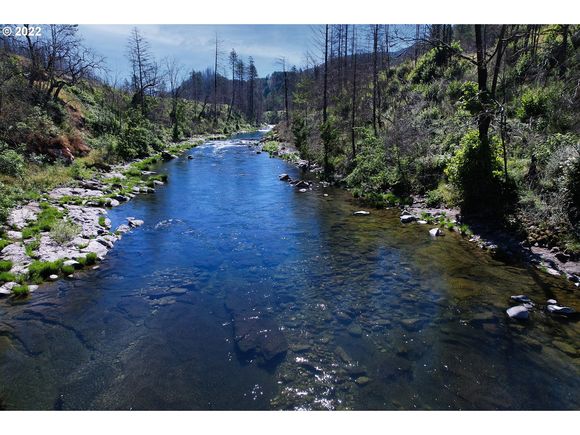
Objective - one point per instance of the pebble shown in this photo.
(361, 213)
(551, 301)
(53, 277)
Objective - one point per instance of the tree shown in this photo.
(252, 76)
(173, 73)
(233, 59)
(145, 77)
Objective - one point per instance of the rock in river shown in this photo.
(560, 310)
(518, 312)
(361, 213)
(284, 177)
(521, 299)
(407, 218)
(436, 232)
(255, 334)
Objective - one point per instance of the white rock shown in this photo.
(407, 218)
(72, 263)
(518, 312)
(551, 301)
(361, 213)
(521, 298)
(422, 222)
(303, 190)
(558, 309)
(325, 195)
(53, 277)
(32, 288)
(97, 248)
(436, 232)
(135, 222)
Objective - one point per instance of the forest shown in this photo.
(482, 117)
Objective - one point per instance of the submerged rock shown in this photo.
(560, 310)
(518, 312)
(284, 177)
(254, 334)
(361, 213)
(363, 380)
(521, 298)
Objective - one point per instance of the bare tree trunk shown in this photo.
(325, 97)
(499, 55)
(353, 102)
(375, 76)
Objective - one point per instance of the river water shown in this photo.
(376, 314)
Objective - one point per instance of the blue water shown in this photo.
(376, 315)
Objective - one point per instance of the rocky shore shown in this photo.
(33, 253)
(499, 243)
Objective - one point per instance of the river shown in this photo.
(376, 314)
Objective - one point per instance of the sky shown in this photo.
(193, 45)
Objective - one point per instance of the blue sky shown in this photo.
(193, 45)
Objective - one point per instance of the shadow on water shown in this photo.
(240, 292)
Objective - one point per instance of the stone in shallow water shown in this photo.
(561, 310)
(436, 232)
(362, 213)
(551, 301)
(407, 218)
(53, 277)
(355, 331)
(345, 357)
(254, 334)
(518, 312)
(412, 324)
(521, 298)
(363, 380)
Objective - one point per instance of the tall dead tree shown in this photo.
(145, 75)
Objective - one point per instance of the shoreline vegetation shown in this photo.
(415, 209)
(67, 229)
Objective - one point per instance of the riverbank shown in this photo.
(67, 228)
(498, 243)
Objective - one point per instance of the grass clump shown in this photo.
(102, 221)
(5, 265)
(4, 243)
(39, 271)
(68, 270)
(7, 277)
(88, 260)
(64, 231)
(20, 291)
(32, 246)
(47, 218)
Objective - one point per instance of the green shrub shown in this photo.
(11, 163)
(533, 104)
(5, 265)
(475, 171)
(46, 219)
(64, 231)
